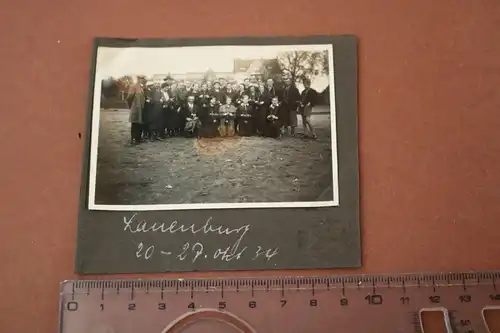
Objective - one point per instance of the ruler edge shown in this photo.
(378, 277)
(492, 274)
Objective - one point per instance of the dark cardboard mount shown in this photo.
(308, 238)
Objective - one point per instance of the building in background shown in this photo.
(242, 69)
(194, 76)
(254, 68)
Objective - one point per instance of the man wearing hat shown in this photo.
(136, 99)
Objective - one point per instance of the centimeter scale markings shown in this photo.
(350, 304)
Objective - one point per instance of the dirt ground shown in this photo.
(219, 170)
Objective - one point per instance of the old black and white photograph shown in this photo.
(213, 127)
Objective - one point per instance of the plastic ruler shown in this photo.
(349, 304)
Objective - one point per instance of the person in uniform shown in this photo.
(291, 100)
(155, 114)
(227, 114)
(191, 114)
(210, 119)
(307, 102)
(245, 117)
(136, 99)
(261, 105)
(273, 126)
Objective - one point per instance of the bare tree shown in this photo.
(324, 62)
(109, 88)
(125, 82)
(301, 64)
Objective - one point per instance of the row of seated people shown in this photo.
(211, 118)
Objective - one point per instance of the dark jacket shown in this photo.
(308, 96)
(181, 96)
(254, 97)
(188, 113)
(208, 113)
(231, 94)
(272, 92)
(213, 109)
(238, 97)
(274, 110)
(265, 97)
(244, 110)
(196, 95)
(203, 98)
(291, 96)
(219, 95)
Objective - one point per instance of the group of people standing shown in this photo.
(218, 108)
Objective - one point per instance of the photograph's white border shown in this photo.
(94, 137)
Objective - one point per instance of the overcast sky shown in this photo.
(148, 61)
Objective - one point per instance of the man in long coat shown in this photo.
(291, 100)
(136, 99)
